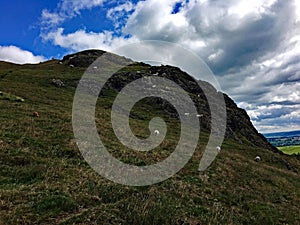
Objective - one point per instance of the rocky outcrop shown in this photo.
(82, 59)
(57, 82)
(85, 58)
(239, 126)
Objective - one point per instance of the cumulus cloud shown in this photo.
(67, 9)
(81, 40)
(253, 47)
(16, 55)
(119, 14)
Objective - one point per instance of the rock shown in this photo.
(86, 58)
(57, 82)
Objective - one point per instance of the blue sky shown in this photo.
(253, 47)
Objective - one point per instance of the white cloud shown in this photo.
(81, 40)
(126, 7)
(153, 20)
(67, 9)
(16, 55)
(297, 9)
(215, 56)
(51, 18)
(75, 6)
(243, 8)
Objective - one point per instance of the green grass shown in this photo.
(290, 149)
(44, 179)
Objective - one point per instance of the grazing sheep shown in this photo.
(156, 132)
(71, 65)
(218, 148)
(95, 67)
(35, 114)
(154, 86)
(186, 114)
(199, 115)
(257, 159)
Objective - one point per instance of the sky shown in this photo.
(252, 47)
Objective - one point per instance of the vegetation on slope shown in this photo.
(44, 179)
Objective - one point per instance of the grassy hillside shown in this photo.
(290, 149)
(44, 179)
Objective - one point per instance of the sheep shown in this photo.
(154, 86)
(257, 159)
(60, 63)
(186, 114)
(95, 67)
(199, 115)
(35, 114)
(156, 132)
(218, 148)
(71, 65)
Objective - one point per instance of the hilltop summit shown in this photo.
(239, 126)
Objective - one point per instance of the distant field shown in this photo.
(290, 149)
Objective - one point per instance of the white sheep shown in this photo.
(154, 86)
(186, 114)
(218, 148)
(95, 67)
(257, 158)
(156, 132)
(71, 65)
(199, 115)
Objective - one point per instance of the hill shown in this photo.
(283, 134)
(45, 180)
(281, 139)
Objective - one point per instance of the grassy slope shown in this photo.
(290, 149)
(44, 180)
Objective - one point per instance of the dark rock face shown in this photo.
(86, 58)
(82, 59)
(239, 126)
